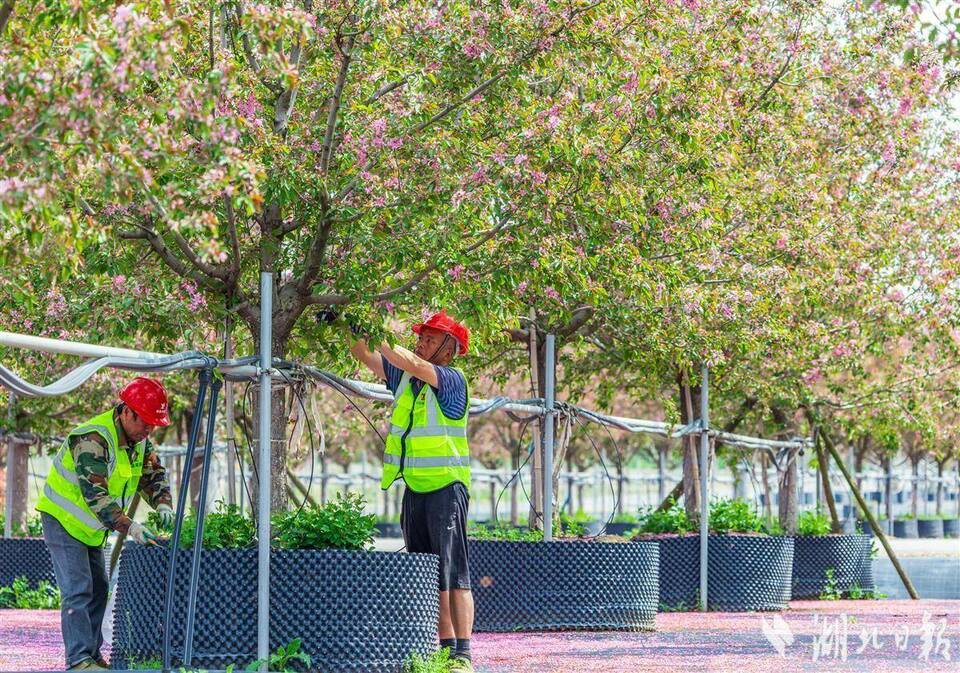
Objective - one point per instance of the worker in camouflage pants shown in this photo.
(100, 466)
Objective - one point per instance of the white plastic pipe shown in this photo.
(72, 347)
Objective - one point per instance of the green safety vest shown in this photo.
(61, 497)
(424, 447)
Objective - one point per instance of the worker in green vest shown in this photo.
(100, 466)
(427, 449)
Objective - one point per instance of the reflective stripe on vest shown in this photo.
(424, 447)
(62, 497)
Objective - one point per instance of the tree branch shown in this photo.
(385, 89)
(209, 269)
(315, 256)
(285, 101)
(519, 335)
(178, 266)
(386, 294)
(6, 11)
(326, 152)
(234, 239)
(274, 88)
(578, 319)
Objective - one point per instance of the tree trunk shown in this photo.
(887, 463)
(493, 501)
(788, 493)
(767, 496)
(619, 487)
(514, 509)
(689, 411)
(18, 464)
(915, 473)
(196, 472)
(662, 471)
(324, 480)
(277, 469)
(940, 465)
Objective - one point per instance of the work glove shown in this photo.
(165, 516)
(140, 534)
(327, 316)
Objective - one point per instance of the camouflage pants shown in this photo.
(82, 578)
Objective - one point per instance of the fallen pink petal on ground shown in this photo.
(888, 636)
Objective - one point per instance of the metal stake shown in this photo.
(263, 503)
(198, 537)
(704, 493)
(204, 377)
(548, 443)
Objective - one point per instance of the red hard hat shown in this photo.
(147, 398)
(444, 323)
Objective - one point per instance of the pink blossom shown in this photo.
(781, 242)
(119, 283)
(812, 375)
(551, 293)
(56, 304)
(842, 350)
(456, 272)
(522, 287)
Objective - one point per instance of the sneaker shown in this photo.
(101, 662)
(460, 665)
(88, 665)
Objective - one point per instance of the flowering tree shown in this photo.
(369, 154)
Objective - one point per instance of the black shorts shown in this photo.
(436, 523)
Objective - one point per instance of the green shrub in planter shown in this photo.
(20, 595)
(223, 528)
(813, 523)
(34, 527)
(737, 516)
(338, 524)
(671, 520)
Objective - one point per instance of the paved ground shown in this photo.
(888, 636)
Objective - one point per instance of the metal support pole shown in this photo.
(548, 443)
(704, 493)
(204, 379)
(9, 484)
(231, 438)
(263, 500)
(198, 537)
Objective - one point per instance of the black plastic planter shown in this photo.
(930, 528)
(388, 529)
(951, 528)
(867, 529)
(25, 557)
(905, 528)
(847, 555)
(747, 572)
(354, 611)
(554, 586)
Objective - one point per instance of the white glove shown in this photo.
(140, 533)
(166, 516)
